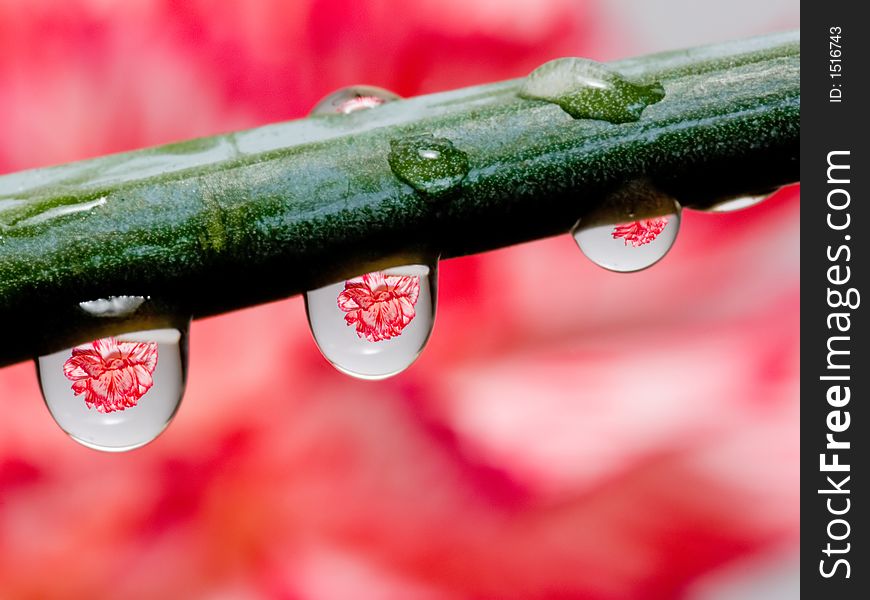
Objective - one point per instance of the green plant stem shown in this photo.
(215, 224)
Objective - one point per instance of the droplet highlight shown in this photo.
(352, 99)
(431, 165)
(735, 204)
(587, 89)
(375, 326)
(116, 393)
(113, 306)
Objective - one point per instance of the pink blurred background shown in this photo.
(582, 435)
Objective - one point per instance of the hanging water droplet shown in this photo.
(116, 393)
(353, 98)
(375, 325)
(631, 246)
(587, 89)
(431, 165)
(733, 204)
(612, 237)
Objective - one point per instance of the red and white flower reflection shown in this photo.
(379, 305)
(638, 233)
(113, 375)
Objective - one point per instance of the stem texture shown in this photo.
(215, 224)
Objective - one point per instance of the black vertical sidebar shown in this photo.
(835, 227)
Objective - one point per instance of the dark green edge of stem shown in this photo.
(216, 224)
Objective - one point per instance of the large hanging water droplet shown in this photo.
(116, 393)
(431, 165)
(587, 89)
(630, 246)
(375, 325)
(353, 98)
(615, 238)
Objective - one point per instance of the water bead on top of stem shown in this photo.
(587, 89)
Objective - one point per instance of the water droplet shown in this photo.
(632, 246)
(612, 237)
(375, 325)
(733, 204)
(431, 165)
(116, 393)
(353, 98)
(587, 89)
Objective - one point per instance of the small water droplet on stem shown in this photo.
(431, 165)
(587, 89)
(352, 99)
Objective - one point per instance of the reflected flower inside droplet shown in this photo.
(379, 305)
(352, 99)
(359, 103)
(375, 325)
(122, 396)
(638, 233)
(112, 375)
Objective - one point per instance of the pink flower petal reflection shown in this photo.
(379, 305)
(112, 375)
(359, 103)
(640, 232)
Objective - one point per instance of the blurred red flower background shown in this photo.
(568, 432)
